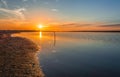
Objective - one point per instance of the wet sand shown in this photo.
(18, 58)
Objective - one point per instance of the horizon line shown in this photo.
(19, 31)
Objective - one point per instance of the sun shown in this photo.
(40, 26)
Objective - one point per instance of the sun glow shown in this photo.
(40, 26)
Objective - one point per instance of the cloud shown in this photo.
(24, 0)
(54, 10)
(110, 25)
(28, 0)
(4, 3)
(56, 0)
(74, 24)
(17, 12)
(46, 3)
(34, 0)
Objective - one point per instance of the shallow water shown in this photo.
(78, 54)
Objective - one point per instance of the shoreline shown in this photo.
(18, 58)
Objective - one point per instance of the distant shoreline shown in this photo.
(20, 31)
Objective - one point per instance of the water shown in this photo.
(78, 54)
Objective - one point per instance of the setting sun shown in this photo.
(40, 26)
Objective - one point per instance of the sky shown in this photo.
(60, 14)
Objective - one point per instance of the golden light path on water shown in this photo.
(40, 34)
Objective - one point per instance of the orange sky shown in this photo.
(20, 25)
(59, 15)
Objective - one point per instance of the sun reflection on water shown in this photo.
(40, 34)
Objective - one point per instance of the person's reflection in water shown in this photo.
(18, 58)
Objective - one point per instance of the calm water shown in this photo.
(78, 54)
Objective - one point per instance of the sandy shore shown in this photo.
(18, 58)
